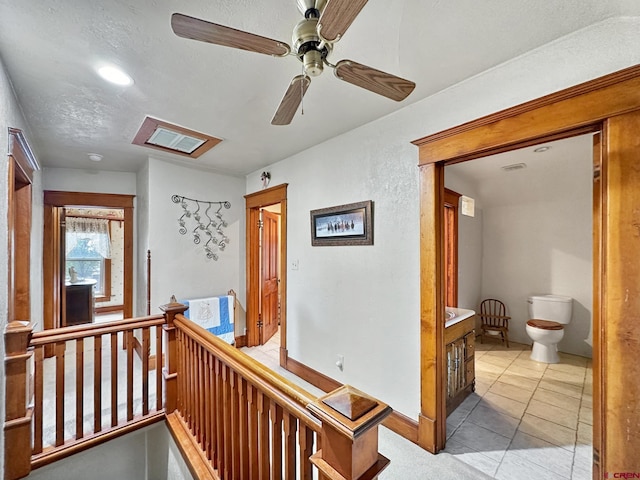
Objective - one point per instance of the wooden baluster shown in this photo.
(254, 454)
(306, 450)
(114, 379)
(243, 428)
(128, 334)
(290, 425)
(170, 310)
(206, 393)
(190, 387)
(17, 421)
(276, 440)
(146, 351)
(60, 347)
(159, 357)
(219, 407)
(97, 383)
(38, 390)
(263, 435)
(79, 388)
(235, 423)
(213, 409)
(180, 371)
(198, 395)
(226, 402)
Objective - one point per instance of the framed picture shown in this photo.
(350, 224)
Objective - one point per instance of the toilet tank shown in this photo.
(556, 308)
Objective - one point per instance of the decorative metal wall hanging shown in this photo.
(209, 227)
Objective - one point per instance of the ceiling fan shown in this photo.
(324, 23)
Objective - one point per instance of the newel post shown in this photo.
(17, 425)
(350, 422)
(169, 372)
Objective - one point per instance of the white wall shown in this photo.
(469, 244)
(146, 454)
(142, 244)
(11, 116)
(363, 302)
(180, 267)
(94, 181)
(541, 242)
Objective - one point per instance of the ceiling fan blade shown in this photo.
(376, 81)
(196, 29)
(291, 100)
(337, 16)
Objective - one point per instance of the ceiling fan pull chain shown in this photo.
(302, 91)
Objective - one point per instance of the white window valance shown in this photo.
(95, 231)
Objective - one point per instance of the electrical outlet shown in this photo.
(340, 362)
(295, 264)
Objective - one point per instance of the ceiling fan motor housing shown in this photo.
(308, 46)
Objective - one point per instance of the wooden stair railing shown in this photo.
(234, 419)
(92, 390)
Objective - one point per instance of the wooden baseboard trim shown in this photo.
(308, 374)
(396, 422)
(109, 308)
(241, 341)
(192, 454)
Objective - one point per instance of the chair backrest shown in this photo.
(491, 306)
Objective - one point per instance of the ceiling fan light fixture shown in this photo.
(312, 61)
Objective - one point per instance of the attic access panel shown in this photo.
(170, 138)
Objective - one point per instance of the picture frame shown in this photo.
(350, 224)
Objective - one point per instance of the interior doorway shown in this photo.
(56, 267)
(608, 105)
(266, 213)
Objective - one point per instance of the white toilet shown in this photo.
(549, 314)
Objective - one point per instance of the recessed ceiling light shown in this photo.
(542, 149)
(115, 75)
(94, 157)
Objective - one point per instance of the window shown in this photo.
(87, 251)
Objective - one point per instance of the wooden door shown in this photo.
(62, 265)
(269, 279)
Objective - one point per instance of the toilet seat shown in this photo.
(545, 324)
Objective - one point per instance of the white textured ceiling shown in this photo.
(548, 176)
(51, 48)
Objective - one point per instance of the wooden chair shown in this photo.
(494, 318)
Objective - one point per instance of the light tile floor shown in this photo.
(526, 419)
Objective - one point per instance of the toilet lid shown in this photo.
(544, 324)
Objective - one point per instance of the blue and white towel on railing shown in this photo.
(215, 314)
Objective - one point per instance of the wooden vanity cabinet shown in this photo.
(459, 360)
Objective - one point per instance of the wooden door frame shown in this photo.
(611, 105)
(253, 203)
(22, 164)
(54, 199)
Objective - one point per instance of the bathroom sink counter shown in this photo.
(454, 315)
